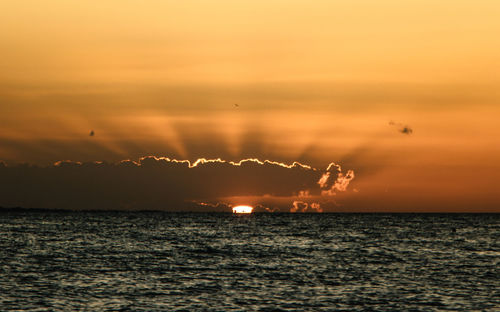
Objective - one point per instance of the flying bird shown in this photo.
(92, 133)
(236, 105)
(404, 129)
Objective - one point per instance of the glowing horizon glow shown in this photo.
(242, 209)
(212, 89)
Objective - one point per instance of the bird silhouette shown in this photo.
(92, 133)
(404, 129)
(236, 105)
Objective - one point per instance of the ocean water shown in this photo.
(153, 261)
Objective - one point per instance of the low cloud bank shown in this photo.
(157, 183)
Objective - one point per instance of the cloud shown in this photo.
(301, 206)
(339, 183)
(160, 183)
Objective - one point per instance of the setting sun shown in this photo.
(242, 209)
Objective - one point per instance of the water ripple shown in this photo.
(71, 261)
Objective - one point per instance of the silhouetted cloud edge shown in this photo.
(162, 183)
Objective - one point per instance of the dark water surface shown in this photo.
(102, 261)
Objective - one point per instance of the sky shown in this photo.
(314, 82)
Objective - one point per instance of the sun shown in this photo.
(242, 209)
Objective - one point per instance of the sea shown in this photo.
(160, 261)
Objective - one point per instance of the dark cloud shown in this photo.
(153, 183)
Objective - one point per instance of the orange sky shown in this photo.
(315, 82)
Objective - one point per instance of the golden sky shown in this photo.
(315, 81)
